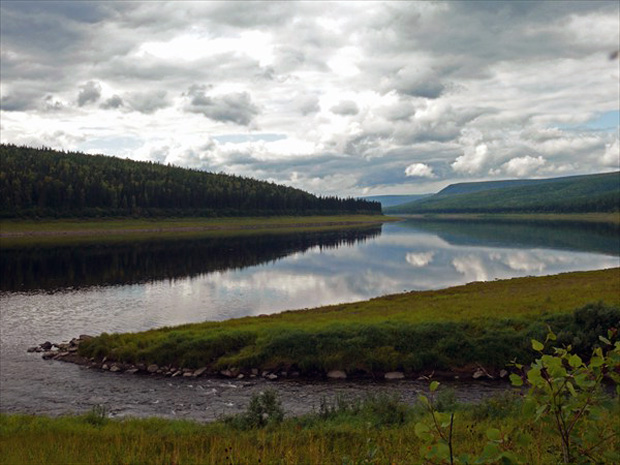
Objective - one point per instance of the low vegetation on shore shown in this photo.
(480, 324)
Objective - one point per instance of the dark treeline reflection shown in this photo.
(54, 268)
(563, 235)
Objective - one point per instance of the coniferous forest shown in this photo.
(44, 183)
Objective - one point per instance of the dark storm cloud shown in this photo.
(148, 102)
(18, 102)
(89, 93)
(234, 107)
(113, 102)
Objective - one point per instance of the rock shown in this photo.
(478, 374)
(336, 374)
(73, 349)
(230, 373)
(114, 368)
(131, 371)
(32, 349)
(85, 337)
(255, 371)
(177, 373)
(240, 376)
(200, 372)
(152, 368)
(503, 373)
(394, 375)
(272, 377)
(105, 366)
(47, 345)
(188, 374)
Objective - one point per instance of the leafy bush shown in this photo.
(264, 409)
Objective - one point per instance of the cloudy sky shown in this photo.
(347, 98)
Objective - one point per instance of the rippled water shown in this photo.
(56, 294)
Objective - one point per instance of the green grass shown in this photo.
(488, 323)
(377, 430)
(30, 232)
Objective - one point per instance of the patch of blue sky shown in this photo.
(241, 138)
(113, 145)
(607, 121)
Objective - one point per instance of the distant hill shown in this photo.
(49, 183)
(392, 200)
(574, 194)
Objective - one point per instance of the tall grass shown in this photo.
(377, 430)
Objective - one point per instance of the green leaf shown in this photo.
(523, 439)
(575, 361)
(422, 430)
(540, 411)
(494, 434)
(605, 340)
(537, 346)
(516, 380)
(434, 385)
(596, 361)
(571, 389)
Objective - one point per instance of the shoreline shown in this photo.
(49, 228)
(68, 352)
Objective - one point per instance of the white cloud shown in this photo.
(523, 166)
(420, 170)
(473, 161)
(611, 157)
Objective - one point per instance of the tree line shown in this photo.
(42, 182)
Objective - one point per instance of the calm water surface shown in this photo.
(58, 293)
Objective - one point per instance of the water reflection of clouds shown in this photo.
(400, 259)
(419, 260)
(472, 267)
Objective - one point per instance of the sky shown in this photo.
(340, 98)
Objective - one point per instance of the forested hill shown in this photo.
(575, 194)
(49, 183)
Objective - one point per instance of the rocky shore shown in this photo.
(69, 352)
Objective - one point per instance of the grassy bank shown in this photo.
(378, 430)
(486, 323)
(25, 232)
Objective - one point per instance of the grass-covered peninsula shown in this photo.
(480, 324)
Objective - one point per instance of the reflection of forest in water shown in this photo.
(51, 268)
(561, 235)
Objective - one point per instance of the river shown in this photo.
(56, 293)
